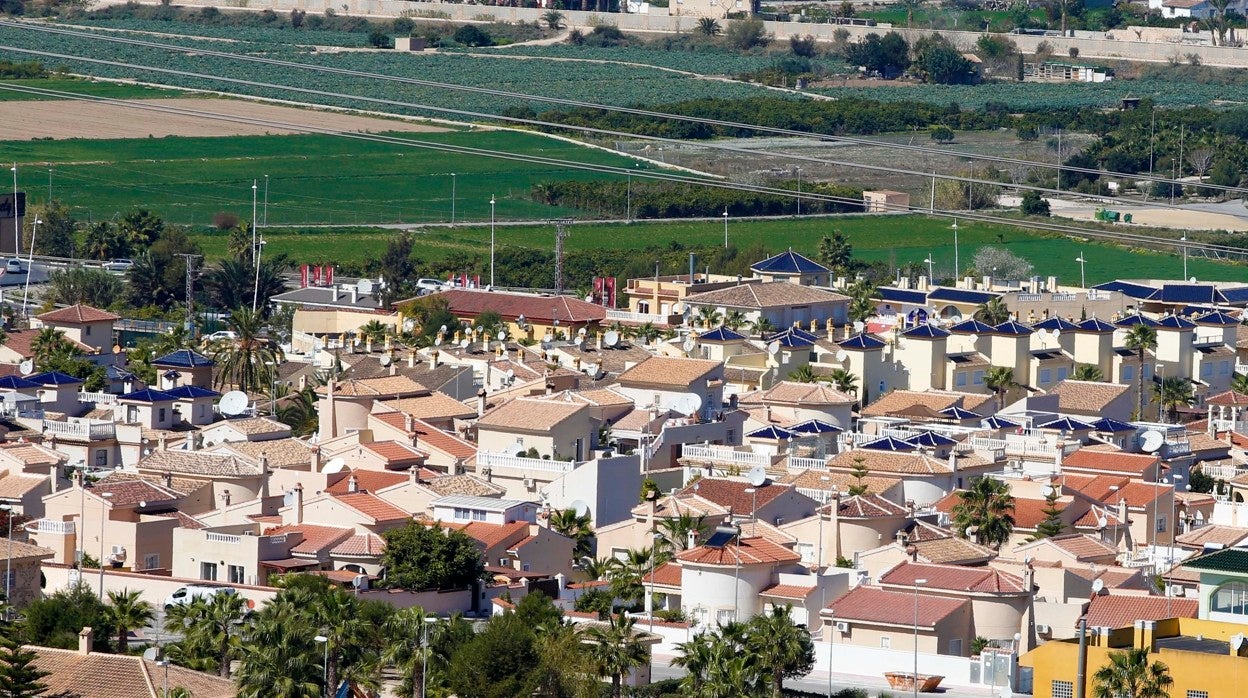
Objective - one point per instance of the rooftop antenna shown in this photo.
(561, 232)
(190, 290)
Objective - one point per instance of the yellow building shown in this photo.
(1206, 659)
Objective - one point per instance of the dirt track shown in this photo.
(27, 120)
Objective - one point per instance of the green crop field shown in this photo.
(313, 179)
(895, 239)
(112, 90)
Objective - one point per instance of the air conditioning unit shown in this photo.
(119, 552)
(1042, 629)
(842, 626)
(528, 483)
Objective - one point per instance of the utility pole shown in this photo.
(190, 291)
(561, 232)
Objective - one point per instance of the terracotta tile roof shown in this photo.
(866, 604)
(23, 551)
(749, 551)
(14, 486)
(367, 481)
(361, 545)
(78, 314)
(769, 294)
(1086, 397)
(526, 414)
(382, 386)
(1097, 487)
(598, 397)
(869, 506)
(1081, 546)
(252, 426)
(731, 494)
(667, 574)
(127, 492)
(683, 503)
(429, 437)
(281, 453)
(790, 392)
(762, 529)
(197, 463)
(982, 580)
(540, 309)
(185, 521)
(490, 535)
(1109, 461)
(396, 454)
(1090, 518)
(666, 370)
(787, 591)
(841, 482)
(1228, 536)
(20, 341)
(934, 400)
(952, 551)
(372, 506)
(32, 454)
(1122, 610)
(1227, 398)
(892, 462)
(316, 538)
(464, 484)
(435, 405)
(100, 675)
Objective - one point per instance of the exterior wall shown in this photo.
(154, 589)
(559, 442)
(707, 591)
(347, 414)
(1094, 348)
(924, 359)
(999, 618)
(97, 335)
(873, 661)
(940, 640)
(197, 412)
(548, 552)
(229, 546)
(152, 415)
(614, 484)
(336, 322)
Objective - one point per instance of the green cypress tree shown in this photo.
(19, 677)
(1052, 524)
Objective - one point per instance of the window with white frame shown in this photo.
(208, 571)
(236, 574)
(1231, 597)
(886, 642)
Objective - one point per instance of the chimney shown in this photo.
(411, 358)
(953, 461)
(412, 473)
(86, 638)
(393, 368)
(335, 287)
(298, 504)
(691, 539)
(353, 483)
(434, 355)
(161, 444)
(265, 473)
(225, 497)
(480, 402)
(1123, 519)
(352, 291)
(168, 479)
(408, 425)
(316, 459)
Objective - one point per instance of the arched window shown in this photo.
(1231, 597)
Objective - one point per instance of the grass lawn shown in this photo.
(113, 90)
(313, 179)
(896, 239)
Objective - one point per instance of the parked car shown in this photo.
(222, 336)
(430, 285)
(119, 265)
(13, 266)
(189, 593)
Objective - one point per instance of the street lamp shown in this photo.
(265, 220)
(819, 554)
(915, 678)
(931, 269)
(725, 227)
(453, 180)
(30, 262)
(799, 190)
(255, 251)
(324, 667)
(255, 293)
(1082, 279)
(957, 267)
(1184, 241)
(17, 234)
(8, 563)
(491, 241)
(103, 510)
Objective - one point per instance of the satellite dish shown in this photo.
(935, 322)
(1098, 586)
(1101, 522)
(548, 338)
(689, 403)
(589, 298)
(1237, 641)
(758, 475)
(1151, 441)
(1042, 333)
(151, 654)
(288, 498)
(689, 345)
(463, 343)
(233, 403)
(511, 373)
(678, 308)
(437, 342)
(335, 465)
(611, 338)
(591, 369)
(579, 341)
(360, 581)
(385, 360)
(582, 332)
(1057, 333)
(773, 348)
(409, 325)
(442, 329)
(859, 326)
(841, 355)
(1049, 490)
(364, 287)
(27, 367)
(1192, 280)
(502, 336)
(974, 338)
(580, 507)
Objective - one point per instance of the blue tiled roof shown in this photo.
(116, 373)
(956, 412)
(792, 340)
(1054, 323)
(184, 358)
(888, 443)
(1065, 423)
(971, 326)
(1016, 329)
(1174, 322)
(1133, 320)
(814, 426)
(54, 378)
(721, 334)
(1217, 317)
(926, 331)
(862, 341)
(1095, 325)
(995, 422)
(771, 432)
(902, 295)
(1236, 295)
(189, 392)
(1112, 425)
(1188, 293)
(931, 439)
(789, 262)
(961, 295)
(1127, 288)
(17, 383)
(804, 334)
(147, 395)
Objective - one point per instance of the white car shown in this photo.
(430, 285)
(222, 336)
(189, 593)
(13, 266)
(119, 265)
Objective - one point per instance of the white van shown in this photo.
(191, 592)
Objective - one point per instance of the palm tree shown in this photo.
(406, 651)
(599, 568)
(375, 331)
(614, 649)
(1239, 383)
(709, 316)
(1088, 372)
(553, 19)
(1129, 675)
(695, 658)
(232, 282)
(861, 308)
(127, 611)
(210, 630)
(50, 343)
(999, 379)
(282, 659)
(985, 511)
(676, 529)
(249, 361)
(762, 327)
(647, 332)
(993, 312)
(735, 319)
(781, 648)
(844, 381)
(1140, 338)
(575, 526)
(298, 411)
(803, 374)
(708, 26)
(1172, 393)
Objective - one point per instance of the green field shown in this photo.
(112, 90)
(313, 179)
(894, 239)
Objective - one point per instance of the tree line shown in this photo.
(644, 199)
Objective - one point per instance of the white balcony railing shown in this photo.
(821, 496)
(222, 538)
(503, 460)
(614, 315)
(64, 528)
(97, 398)
(798, 464)
(82, 430)
(722, 454)
(1222, 472)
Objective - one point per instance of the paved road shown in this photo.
(817, 682)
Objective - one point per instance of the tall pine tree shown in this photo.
(859, 470)
(19, 677)
(1052, 524)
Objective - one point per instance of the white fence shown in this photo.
(875, 662)
(796, 463)
(614, 315)
(63, 528)
(223, 538)
(97, 398)
(723, 454)
(503, 460)
(86, 431)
